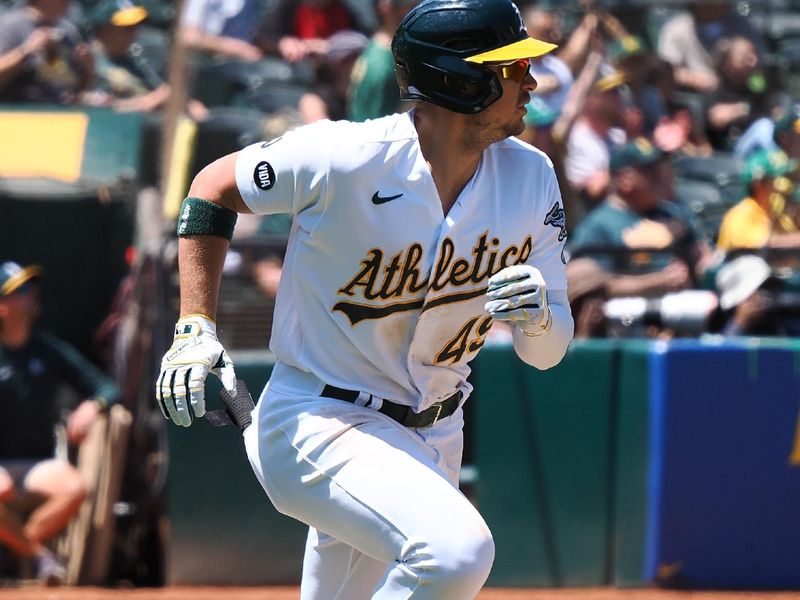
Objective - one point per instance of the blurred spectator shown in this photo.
(742, 96)
(555, 72)
(548, 130)
(328, 97)
(687, 39)
(595, 132)
(33, 366)
(298, 29)
(629, 56)
(373, 89)
(225, 28)
(762, 219)
(125, 81)
(765, 134)
(42, 56)
(587, 288)
(786, 132)
(651, 239)
(611, 305)
(653, 109)
(681, 127)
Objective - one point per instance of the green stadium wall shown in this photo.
(629, 464)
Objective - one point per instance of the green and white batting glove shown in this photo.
(519, 294)
(195, 352)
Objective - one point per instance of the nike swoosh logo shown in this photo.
(378, 199)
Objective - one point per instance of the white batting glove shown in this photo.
(519, 294)
(195, 352)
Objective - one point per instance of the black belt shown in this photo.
(404, 415)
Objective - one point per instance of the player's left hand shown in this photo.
(194, 353)
(519, 294)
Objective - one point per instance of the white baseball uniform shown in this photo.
(384, 294)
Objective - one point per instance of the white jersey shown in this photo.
(380, 291)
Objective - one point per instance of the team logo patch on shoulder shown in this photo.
(557, 218)
(264, 175)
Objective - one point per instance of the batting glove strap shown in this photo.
(195, 324)
(536, 329)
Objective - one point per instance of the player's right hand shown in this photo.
(194, 353)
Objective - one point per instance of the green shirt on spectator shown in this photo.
(373, 87)
(667, 227)
(31, 396)
(125, 77)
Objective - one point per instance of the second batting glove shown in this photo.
(519, 294)
(194, 353)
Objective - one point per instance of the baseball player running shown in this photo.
(411, 234)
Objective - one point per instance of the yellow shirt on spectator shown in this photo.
(747, 225)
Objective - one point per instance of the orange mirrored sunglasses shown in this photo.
(514, 71)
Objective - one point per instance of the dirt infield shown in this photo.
(291, 593)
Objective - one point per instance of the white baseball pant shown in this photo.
(387, 519)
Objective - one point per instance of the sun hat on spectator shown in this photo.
(740, 278)
(121, 13)
(611, 81)
(636, 153)
(764, 164)
(626, 46)
(13, 276)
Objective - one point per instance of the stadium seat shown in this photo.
(706, 203)
(225, 130)
(276, 96)
(232, 83)
(720, 169)
(271, 68)
(782, 24)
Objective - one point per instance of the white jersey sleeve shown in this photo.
(288, 174)
(551, 234)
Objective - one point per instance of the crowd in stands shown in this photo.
(674, 128)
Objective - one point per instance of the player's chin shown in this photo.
(517, 126)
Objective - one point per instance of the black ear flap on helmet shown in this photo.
(437, 46)
(448, 82)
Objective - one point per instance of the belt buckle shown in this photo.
(439, 407)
